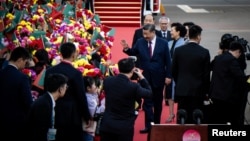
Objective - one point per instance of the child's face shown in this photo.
(93, 89)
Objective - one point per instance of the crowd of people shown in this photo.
(171, 66)
(197, 83)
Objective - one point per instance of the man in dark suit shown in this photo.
(15, 96)
(41, 116)
(148, 19)
(120, 95)
(191, 73)
(72, 108)
(164, 22)
(155, 62)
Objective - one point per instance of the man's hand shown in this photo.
(139, 73)
(168, 81)
(124, 44)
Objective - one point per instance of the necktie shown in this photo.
(150, 48)
(164, 35)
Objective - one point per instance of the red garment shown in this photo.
(97, 138)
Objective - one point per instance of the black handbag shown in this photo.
(98, 118)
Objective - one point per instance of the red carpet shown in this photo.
(121, 33)
(139, 123)
(127, 33)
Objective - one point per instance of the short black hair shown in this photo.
(150, 27)
(67, 49)
(234, 45)
(194, 31)
(181, 28)
(19, 52)
(55, 81)
(188, 24)
(42, 56)
(126, 65)
(89, 81)
(226, 40)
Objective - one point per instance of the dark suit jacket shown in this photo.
(228, 79)
(120, 96)
(40, 118)
(190, 70)
(168, 35)
(15, 100)
(71, 108)
(155, 68)
(138, 34)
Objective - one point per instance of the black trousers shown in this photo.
(153, 107)
(108, 136)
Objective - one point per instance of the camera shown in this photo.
(245, 45)
(134, 76)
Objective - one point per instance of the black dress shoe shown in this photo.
(144, 131)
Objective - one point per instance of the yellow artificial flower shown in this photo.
(30, 28)
(33, 52)
(84, 34)
(58, 21)
(59, 40)
(35, 1)
(40, 10)
(35, 17)
(50, 4)
(19, 27)
(89, 49)
(10, 16)
(86, 24)
(88, 56)
(32, 38)
(22, 23)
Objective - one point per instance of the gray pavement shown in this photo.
(221, 16)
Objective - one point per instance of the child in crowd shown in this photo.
(92, 86)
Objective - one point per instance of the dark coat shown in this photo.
(120, 96)
(228, 79)
(72, 108)
(155, 68)
(15, 101)
(40, 118)
(168, 36)
(191, 70)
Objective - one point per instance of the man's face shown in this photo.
(164, 24)
(148, 19)
(148, 35)
(236, 53)
(22, 63)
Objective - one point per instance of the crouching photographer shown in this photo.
(228, 88)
